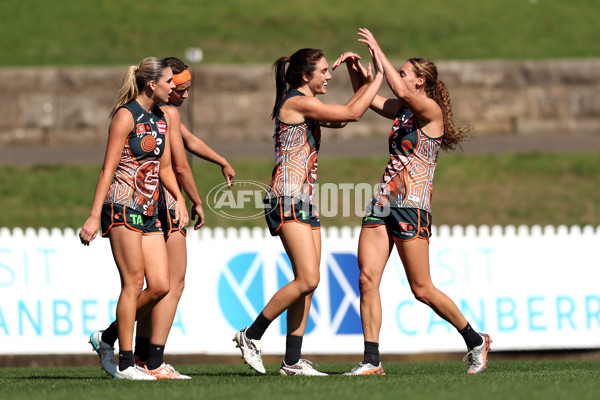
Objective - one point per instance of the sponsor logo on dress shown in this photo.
(143, 128)
(408, 123)
(162, 127)
(136, 219)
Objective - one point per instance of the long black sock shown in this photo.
(371, 353)
(471, 337)
(258, 327)
(142, 345)
(293, 349)
(125, 359)
(155, 356)
(111, 334)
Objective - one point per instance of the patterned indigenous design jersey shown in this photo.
(136, 180)
(296, 151)
(408, 178)
(166, 201)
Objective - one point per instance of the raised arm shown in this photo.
(358, 76)
(353, 110)
(422, 107)
(352, 61)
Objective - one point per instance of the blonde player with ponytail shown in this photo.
(137, 157)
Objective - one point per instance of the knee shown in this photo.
(366, 283)
(423, 294)
(309, 284)
(157, 292)
(134, 285)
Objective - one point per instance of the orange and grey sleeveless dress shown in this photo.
(402, 201)
(136, 182)
(408, 178)
(292, 188)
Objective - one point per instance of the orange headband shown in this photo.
(182, 77)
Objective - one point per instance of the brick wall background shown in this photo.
(70, 106)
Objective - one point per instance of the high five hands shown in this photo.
(354, 59)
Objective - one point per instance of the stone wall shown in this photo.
(57, 106)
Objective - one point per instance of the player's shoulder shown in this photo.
(122, 115)
(172, 111)
(303, 102)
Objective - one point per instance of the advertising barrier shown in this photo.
(530, 288)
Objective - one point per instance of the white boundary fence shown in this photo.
(531, 288)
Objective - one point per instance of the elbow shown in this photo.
(353, 113)
(188, 145)
(179, 172)
(400, 93)
(354, 117)
(192, 147)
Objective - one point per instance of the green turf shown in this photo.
(505, 189)
(121, 32)
(426, 380)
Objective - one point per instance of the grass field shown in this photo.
(528, 189)
(425, 380)
(121, 32)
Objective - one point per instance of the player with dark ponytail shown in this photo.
(289, 204)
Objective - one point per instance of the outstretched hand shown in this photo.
(368, 39)
(353, 60)
(345, 57)
(376, 61)
(374, 48)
